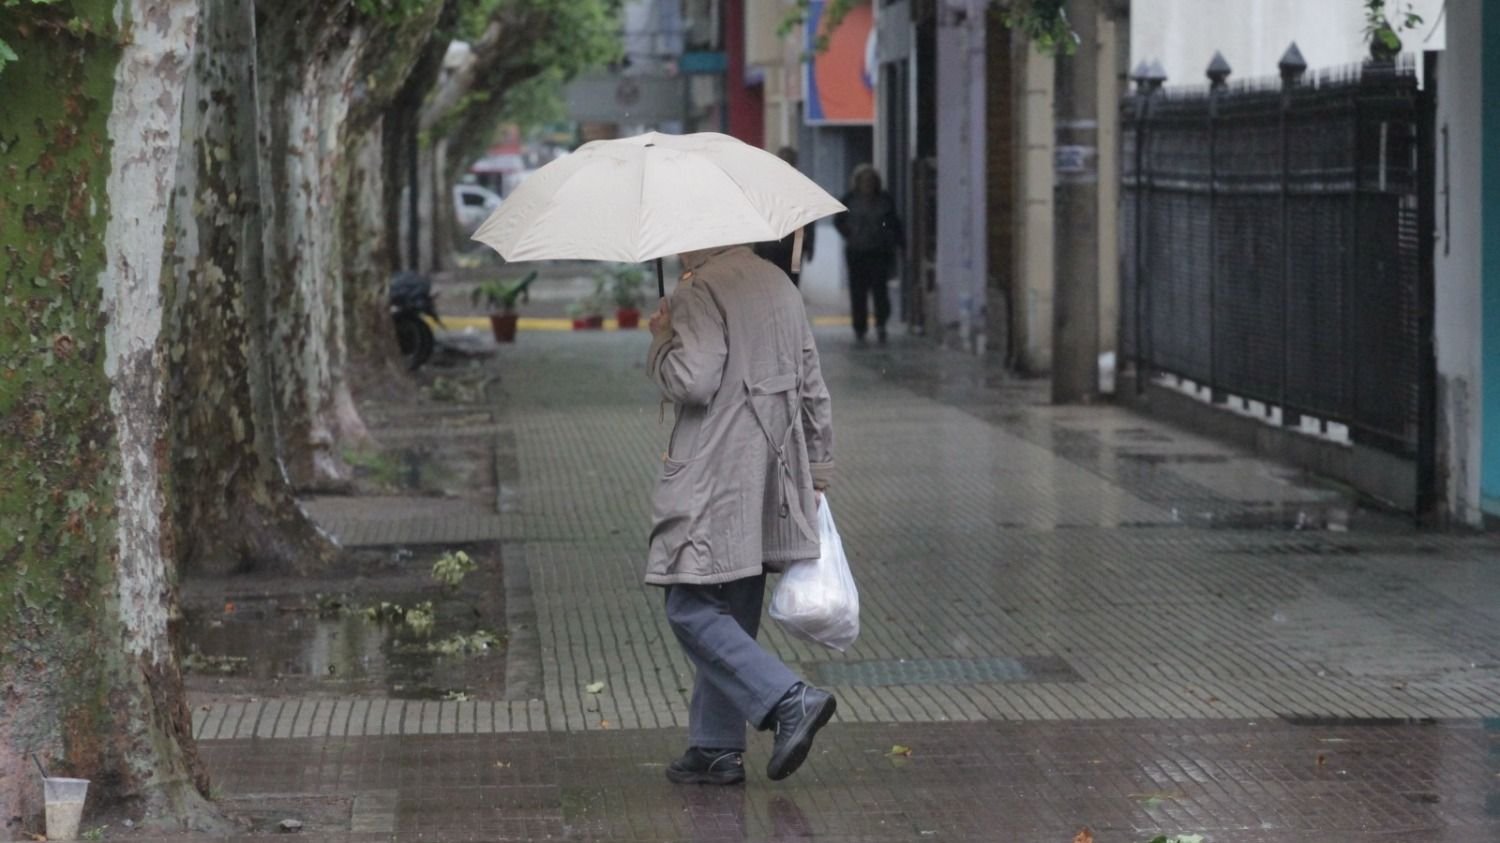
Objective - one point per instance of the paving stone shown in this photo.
(988, 534)
(359, 714)
(265, 726)
(206, 720)
(1129, 780)
(248, 720)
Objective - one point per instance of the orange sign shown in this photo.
(841, 80)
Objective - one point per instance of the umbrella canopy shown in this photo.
(653, 195)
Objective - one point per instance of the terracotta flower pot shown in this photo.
(595, 323)
(580, 323)
(504, 326)
(628, 318)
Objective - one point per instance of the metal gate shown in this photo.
(1273, 247)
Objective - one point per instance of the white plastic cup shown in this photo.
(64, 801)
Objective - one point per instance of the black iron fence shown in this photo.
(1273, 247)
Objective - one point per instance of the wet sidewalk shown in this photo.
(1071, 616)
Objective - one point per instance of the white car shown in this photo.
(472, 205)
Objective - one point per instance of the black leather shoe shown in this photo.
(797, 718)
(708, 766)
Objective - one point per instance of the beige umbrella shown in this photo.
(644, 197)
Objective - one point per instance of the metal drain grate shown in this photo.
(943, 671)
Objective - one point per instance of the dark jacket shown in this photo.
(779, 252)
(871, 224)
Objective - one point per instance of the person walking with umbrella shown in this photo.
(750, 453)
(752, 445)
(872, 233)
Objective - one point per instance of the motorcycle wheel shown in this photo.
(415, 339)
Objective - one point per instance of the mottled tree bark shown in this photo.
(88, 677)
(399, 54)
(307, 56)
(235, 511)
(371, 337)
(327, 75)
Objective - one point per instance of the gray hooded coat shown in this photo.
(754, 431)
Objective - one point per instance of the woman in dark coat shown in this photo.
(872, 234)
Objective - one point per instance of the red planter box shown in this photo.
(504, 326)
(588, 323)
(628, 318)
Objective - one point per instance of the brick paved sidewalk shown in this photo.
(1232, 781)
(1074, 615)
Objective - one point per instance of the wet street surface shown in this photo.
(1071, 617)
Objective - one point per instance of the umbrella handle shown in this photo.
(661, 284)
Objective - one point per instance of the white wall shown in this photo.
(962, 250)
(1457, 259)
(1253, 34)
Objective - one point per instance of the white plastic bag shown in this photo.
(816, 599)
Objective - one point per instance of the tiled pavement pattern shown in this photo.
(982, 527)
(1019, 782)
(1079, 642)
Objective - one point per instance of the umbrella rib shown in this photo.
(640, 203)
(741, 188)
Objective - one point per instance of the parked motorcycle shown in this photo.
(411, 298)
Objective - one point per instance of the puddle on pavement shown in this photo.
(426, 642)
(1273, 516)
(1164, 459)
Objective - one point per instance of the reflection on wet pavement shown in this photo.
(1232, 781)
(1072, 616)
(354, 640)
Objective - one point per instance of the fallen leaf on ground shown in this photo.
(1084, 835)
(604, 724)
(594, 687)
(1322, 759)
(898, 749)
(1151, 800)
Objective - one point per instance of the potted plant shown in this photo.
(1383, 34)
(626, 285)
(502, 298)
(588, 312)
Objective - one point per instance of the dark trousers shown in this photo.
(869, 273)
(735, 680)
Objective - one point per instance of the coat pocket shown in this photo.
(684, 445)
(678, 514)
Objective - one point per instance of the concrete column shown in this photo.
(961, 248)
(1075, 319)
(1490, 220)
(1114, 34)
(1035, 269)
(1457, 264)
